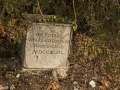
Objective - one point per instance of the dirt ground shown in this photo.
(81, 75)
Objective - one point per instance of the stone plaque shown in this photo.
(47, 46)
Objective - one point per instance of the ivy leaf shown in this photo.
(75, 27)
(35, 10)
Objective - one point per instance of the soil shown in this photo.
(79, 76)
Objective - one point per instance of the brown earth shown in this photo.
(81, 72)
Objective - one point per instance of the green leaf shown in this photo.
(35, 10)
(75, 27)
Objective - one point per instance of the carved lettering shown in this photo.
(47, 40)
(46, 52)
(49, 35)
(47, 46)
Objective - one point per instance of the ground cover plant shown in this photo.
(95, 44)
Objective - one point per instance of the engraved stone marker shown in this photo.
(47, 46)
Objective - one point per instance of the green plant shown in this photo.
(10, 17)
(97, 21)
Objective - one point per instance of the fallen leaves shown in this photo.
(3, 88)
(53, 85)
(3, 50)
(105, 83)
(2, 32)
(1, 41)
(102, 88)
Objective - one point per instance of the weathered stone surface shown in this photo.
(47, 46)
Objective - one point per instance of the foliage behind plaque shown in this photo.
(93, 16)
(99, 19)
(11, 20)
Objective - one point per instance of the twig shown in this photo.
(75, 18)
(42, 13)
(40, 9)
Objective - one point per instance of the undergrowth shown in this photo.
(103, 57)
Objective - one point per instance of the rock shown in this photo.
(75, 88)
(76, 85)
(54, 74)
(12, 87)
(18, 75)
(59, 73)
(92, 83)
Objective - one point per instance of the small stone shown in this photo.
(76, 85)
(75, 82)
(92, 83)
(18, 75)
(59, 73)
(75, 88)
(54, 74)
(62, 73)
(12, 87)
(72, 77)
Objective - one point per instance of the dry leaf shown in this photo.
(115, 88)
(3, 88)
(80, 73)
(53, 86)
(84, 85)
(105, 83)
(102, 88)
(110, 77)
(2, 32)
(2, 49)
(1, 41)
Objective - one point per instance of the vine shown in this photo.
(38, 4)
(99, 19)
(75, 18)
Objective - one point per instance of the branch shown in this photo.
(75, 18)
(40, 9)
